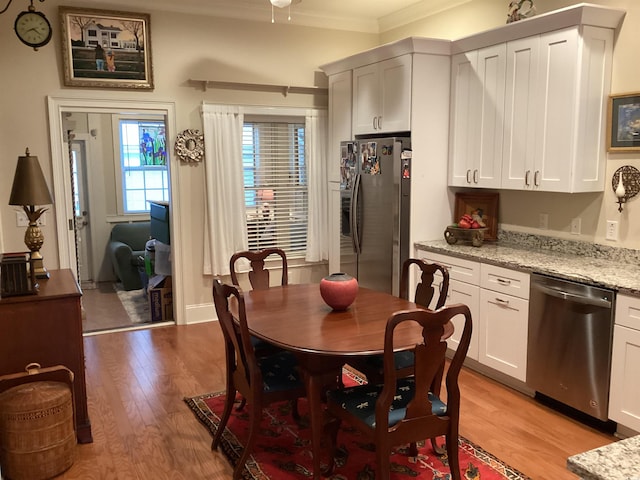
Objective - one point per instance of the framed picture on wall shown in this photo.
(106, 49)
(623, 120)
(481, 205)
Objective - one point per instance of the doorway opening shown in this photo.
(101, 182)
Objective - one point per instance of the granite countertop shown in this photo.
(617, 269)
(617, 461)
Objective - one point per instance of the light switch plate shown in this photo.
(543, 222)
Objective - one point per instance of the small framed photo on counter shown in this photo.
(484, 206)
(623, 123)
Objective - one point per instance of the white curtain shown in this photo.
(225, 218)
(315, 154)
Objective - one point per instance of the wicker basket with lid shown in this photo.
(37, 436)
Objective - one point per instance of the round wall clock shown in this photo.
(190, 146)
(33, 28)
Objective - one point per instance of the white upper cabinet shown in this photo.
(340, 86)
(382, 96)
(557, 86)
(520, 114)
(477, 117)
(548, 110)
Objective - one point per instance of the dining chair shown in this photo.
(259, 276)
(259, 279)
(260, 380)
(426, 291)
(404, 409)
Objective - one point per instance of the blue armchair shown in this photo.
(126, 250)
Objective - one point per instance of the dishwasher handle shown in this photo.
(572, 297)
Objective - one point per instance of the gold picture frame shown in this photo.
(486, 204)
(106, 49)
(623, 123)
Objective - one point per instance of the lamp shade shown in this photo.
(29, 186)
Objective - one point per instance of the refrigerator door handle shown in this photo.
(353, 215)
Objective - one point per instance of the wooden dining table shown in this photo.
(295, 318)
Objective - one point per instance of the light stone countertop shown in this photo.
(617, 461)
(617, 269)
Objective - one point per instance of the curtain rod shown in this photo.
(261, 87)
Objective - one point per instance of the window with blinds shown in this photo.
(275, 185)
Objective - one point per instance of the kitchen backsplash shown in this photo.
(588, 249)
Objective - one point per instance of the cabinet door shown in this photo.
(624, 406)
(557, 111)
(469, 295)
(503, 330)
(520, 113)
(488, 154)
(395, 95)
(366, 99)
(339, 120)
(464, 118)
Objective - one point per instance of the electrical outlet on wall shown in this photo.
(612, 230)
(576, 225)
(543, 221)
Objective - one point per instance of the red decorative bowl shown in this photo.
(339, 290)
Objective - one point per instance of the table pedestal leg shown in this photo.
(316, 379)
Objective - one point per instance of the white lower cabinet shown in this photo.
(624, 395)
(503, 332)
(498, 299)
(464, 278)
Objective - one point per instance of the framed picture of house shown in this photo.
(106, 49)
(623, 120)
(483, 207)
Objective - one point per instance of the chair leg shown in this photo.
(255, 416)
(383, 462)
(243, 402)
(295, 413)
(436, 448)
(452, 454)
(228, 403)
(331, 428)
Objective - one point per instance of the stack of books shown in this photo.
(15, 274)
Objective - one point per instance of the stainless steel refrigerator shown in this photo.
(375, 188)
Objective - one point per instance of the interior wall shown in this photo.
(183, 47)
(521, 210)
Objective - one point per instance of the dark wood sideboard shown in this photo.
(46, 328)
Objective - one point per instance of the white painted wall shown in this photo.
(183, 47)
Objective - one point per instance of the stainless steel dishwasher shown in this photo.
(569, 343)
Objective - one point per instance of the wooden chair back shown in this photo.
(425, 289)
(258, 275)
(429, 358)
(242, 369)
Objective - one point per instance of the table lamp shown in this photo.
(29, 190)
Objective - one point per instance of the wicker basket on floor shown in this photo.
(37, 435)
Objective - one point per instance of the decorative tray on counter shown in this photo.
(474, 236)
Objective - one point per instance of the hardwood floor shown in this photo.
(142, 429)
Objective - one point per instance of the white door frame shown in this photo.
(62, 185)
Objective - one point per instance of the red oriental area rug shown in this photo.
(283, 450)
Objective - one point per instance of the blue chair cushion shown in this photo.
(279, 372)
(361, 401)
(402, 359)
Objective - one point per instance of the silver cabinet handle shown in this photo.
(375, 123)
(380, 123)
(468, 173)
(503, 281)
(536, 178)
(526, 177)
(475, 176)
(502, 302)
